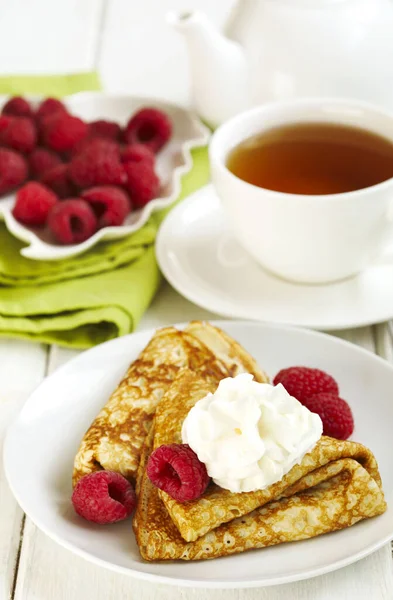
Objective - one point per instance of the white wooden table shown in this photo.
(129, 43)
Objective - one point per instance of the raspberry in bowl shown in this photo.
(177, 470)
(81, 143)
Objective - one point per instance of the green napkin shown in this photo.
(15, 270)
(49, 85)
(91, 298)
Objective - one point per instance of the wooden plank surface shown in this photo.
(22, 367)
(65, 577)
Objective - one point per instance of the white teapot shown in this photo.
(281, 49)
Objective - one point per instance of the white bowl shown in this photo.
(172, 163)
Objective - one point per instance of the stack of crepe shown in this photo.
(115, 439)
(336, 485)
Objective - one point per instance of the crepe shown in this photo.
(114, 440)
(322, 509)
(336, 485)
(225, 348)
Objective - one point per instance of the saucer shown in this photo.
(201, 259)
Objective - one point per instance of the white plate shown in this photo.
(41, 445)
(201, 259)
(172, 163)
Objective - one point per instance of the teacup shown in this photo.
(305, 238)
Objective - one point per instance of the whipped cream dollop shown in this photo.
(250, 434)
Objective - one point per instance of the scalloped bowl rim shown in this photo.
(40, 250)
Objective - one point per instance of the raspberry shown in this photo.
(142, 182)
(97, 164)
(61, 132)
(177, 470)
(80, 147)
(42, 160)
(110, 204)
(303, 382)
(72, 221)
(13, 170)
(104, 497)
(5, 121)
(19, 134)
(33, 203)
(149, 126)
(50, 107)
(137, 153)
(17, 107)
(105, 129)
(58, 179)
(335, 414)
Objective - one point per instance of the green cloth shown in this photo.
(91, 298)
(16, 270)
(49, 85)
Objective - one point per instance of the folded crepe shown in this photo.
(336, 485)
(226, 349)
(115, 439)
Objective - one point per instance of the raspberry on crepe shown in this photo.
(177, 470)
(303, 382)
(335, 413)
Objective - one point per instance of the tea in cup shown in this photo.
(308, 185)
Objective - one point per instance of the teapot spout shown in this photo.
(218, 68)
